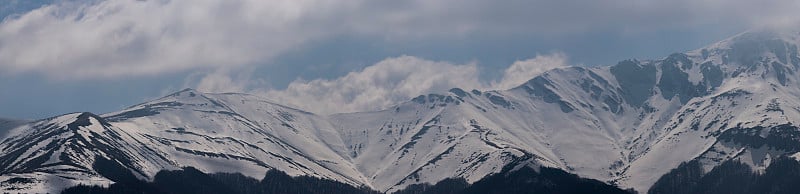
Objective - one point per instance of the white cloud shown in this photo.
(223, 80)
(396, 80)
(521, 71)
(125, 38)
(378, 86)
(121, 38)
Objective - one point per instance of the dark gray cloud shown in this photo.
(113, 39)
(246, 45)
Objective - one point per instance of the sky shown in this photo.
(62, 56)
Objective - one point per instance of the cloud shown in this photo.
(114, 39)
(378, 86)
(521, 71)
(224, 80)
(126, 38)
(396, 80)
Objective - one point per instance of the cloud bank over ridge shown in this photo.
(395, 80)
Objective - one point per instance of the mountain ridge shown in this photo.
(626, 124)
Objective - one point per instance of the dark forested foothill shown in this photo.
(732, 177)
(190, 180)
(524, 180)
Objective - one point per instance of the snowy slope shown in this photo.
(758, 91)
(556, 120)
(187, 128)
(432, 138)
(54, 153)
(626, 124)
(238, 133)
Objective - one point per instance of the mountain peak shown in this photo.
(754, 46)
(84, 119)
(759, 35)
(187, 91)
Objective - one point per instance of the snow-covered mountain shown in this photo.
(626, 124)
(239, 133)
(48, 155)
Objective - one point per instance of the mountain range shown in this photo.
(626, 125)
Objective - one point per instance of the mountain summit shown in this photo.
(626, 125)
